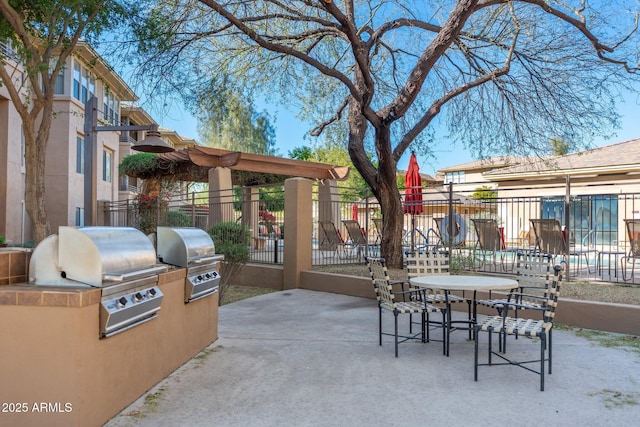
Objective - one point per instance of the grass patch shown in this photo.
(202, 356)
(615, 399)
(236, 293)
(626, 342)
(150, 405)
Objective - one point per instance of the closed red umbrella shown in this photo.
(413, 194)
(413, 188)
(354, 212)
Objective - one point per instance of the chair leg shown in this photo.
(395, 315)
(380, 325)
(424, 320)
(445, 334)
(448, 314)
(543, 344)
(475, 355)
(550, 353)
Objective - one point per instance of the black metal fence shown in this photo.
(595, 242)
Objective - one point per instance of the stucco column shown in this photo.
(298, 230)
(328, 206)
(220, 196)
(250, 205)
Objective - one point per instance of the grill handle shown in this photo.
(207, 260)
(134, 274)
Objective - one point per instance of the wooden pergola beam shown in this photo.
(235, 160)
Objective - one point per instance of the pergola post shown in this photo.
(220, 196)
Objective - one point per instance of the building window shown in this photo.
(76, 80)
(79, 217)
(107, 157)
(84, 84)
(454, 177)
(80, 155)
(593, 219)
(58, 89)
(124, 183)
(111, 108)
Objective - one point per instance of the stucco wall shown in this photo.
(52, 354)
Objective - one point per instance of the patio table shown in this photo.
(608, 253)
(448, 283)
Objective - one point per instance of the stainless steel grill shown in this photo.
(121, 261)
(193, 249)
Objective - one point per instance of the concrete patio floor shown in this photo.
(304, 358)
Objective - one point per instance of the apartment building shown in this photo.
(86, 74)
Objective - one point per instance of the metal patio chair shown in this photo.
(533, 273)
(332, 240)
(491, 243)
(398, 302)
(551, 240)
(633, 233)
(357, 236)
(504, 325)
(428, 263)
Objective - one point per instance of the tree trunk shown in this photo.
(382, 182)
(392, 219)
(35, 154)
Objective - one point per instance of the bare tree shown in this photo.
(504, 76)
(43, 34)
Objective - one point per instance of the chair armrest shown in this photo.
(516, 304)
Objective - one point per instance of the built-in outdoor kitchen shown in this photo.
(95, 316)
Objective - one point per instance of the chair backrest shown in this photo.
(539, 280)
(331, 236)
(426, 263)
(381, 282)
(355, 231)
(489, 237)
(633, 232)
(549, 236)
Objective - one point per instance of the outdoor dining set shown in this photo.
(428, 294)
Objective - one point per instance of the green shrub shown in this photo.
(229, 233)
(178, 219)
(232, 241)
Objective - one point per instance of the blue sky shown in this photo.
(290, 133)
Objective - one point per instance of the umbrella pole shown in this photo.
(413, 233)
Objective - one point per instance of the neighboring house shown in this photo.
(603, 184)
(86, 74)
(470, 176)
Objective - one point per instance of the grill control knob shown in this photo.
(138, 297)
(199, 278)
(122, 302)
(208, 276)
(151, 293)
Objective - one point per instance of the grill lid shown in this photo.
(93, 255)
(185, 246)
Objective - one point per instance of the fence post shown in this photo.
(567, 226)
(193, 208)
(328, 204)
